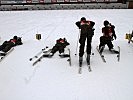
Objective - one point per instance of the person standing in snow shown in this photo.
(87, 32)
(108, 36)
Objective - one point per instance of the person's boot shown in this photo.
(51, 54)
(101, 49)
(114, 51)
(80, 61)
(48, 55)
(2, 53)
(88, 59)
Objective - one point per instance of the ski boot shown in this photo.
(48, 55)
(101, 49)
(80, 61)
(2, 53)
(114, 51)
(88, 59)
(63, 55)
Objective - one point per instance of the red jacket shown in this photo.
(13, 41)
(107, 31)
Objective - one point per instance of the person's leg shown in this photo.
(109, 44)
(88, 48)
(1, 47)
(54, 50)
(82, 45)
(81, 49)
(8, 47)
(61, 49)
(102, 44)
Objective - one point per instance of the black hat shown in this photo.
(83, 19)
(106, 23)
(15, 37)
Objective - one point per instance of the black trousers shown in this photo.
(82, 41)
(59, 48)
(106, 40)
(6, 46)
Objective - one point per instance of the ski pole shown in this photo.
(77, 43)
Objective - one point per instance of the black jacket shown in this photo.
(62, 42)
(79, 24)
(86, 27)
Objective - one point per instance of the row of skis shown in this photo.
(46, 51)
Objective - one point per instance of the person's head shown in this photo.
(106, 23)
(64, 39)
(83, 19)
(15, 37)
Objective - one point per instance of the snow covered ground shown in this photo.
(54, 79)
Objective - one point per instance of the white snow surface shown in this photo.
(53, 78)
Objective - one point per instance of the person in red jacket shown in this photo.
(7, 45)
(108, 35)
(60, 46)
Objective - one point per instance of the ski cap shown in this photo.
(15, 37)
(83, 19)
(106, 23)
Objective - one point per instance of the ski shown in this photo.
(80, 68)
(117, 52)
(118, 56)
(70, 63)
(6, 54)
(42, 56)
(101, 55)
(67, 55)
(88, 63)
(39, 53)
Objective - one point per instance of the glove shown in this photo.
(93, 29)
(115, 37)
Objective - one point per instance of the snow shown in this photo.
(54, 79)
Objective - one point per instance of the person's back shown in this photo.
(107, 31)
(62, 42)
(85, 27)
(108, 34)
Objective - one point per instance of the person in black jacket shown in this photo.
(108, 36)
(7, 45)
(60, 45)
(87, 32)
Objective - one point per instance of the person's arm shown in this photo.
(18, 41)
(132, 33)
(113, 31)
(78, 24)
(92, 23)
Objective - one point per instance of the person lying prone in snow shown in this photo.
(59, 46)
(7, 45)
